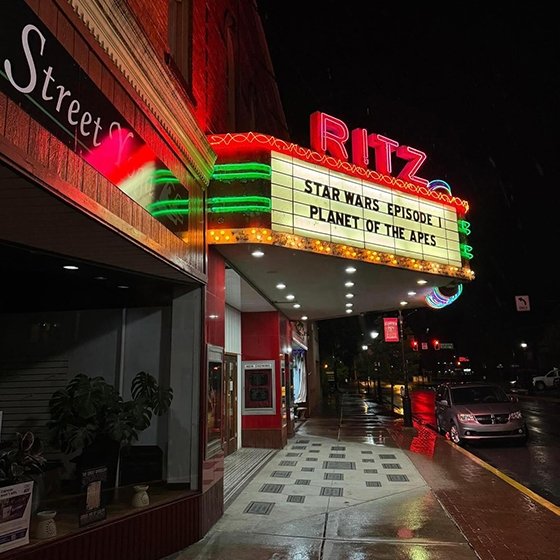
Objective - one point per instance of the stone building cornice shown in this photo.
(118, 34)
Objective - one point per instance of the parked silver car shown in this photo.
(478, 411)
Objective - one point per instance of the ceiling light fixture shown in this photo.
(290, 297)
(421, 282)
(349, 296)
(212, 316)
(349, 305)
(350, 269)
(304, 317)
(403, 303)
(122, 287)
(349, 311)
(257, 253)
(100, 278)
(348, 284)
(281, 286)
(411, 293)
(70, 267)
(297, 305)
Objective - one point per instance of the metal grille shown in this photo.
(493, 418)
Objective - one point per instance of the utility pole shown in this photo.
(407, 406)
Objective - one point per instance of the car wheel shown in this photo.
(454, 435)
(540, 386)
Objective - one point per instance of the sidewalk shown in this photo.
(357, 485)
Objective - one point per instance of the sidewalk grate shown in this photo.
(272, 488)
(347, 465)
(296, 499)
(259, 508)
(397, 478)
(334, 476)
(281, 474)
(332, 492)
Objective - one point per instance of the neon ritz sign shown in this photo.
(330, 135)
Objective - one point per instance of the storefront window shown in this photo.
(214, 408)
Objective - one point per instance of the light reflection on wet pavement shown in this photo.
(448, 508)
(385, 509)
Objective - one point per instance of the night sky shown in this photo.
(476, 87)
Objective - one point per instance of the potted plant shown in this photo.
(21, 459)
(90, 416)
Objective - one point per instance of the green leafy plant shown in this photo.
(21, 459)
(89, 409)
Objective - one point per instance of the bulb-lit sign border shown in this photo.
(238, 177)
(310, 201)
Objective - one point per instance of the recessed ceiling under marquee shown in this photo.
(317, 282)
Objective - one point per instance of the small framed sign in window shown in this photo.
(258, 387)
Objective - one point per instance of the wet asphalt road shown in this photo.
(536, 465)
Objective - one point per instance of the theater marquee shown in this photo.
(312, 201)
(371, 204)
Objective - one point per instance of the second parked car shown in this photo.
(478, 411)
(547, 381)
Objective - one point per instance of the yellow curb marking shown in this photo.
(539, 499)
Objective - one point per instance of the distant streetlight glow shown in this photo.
(523, 345)
(374, 334)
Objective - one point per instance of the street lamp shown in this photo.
(407, 406)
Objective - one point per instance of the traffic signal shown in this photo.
(435, 344)
(414, 344)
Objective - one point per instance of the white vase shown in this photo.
(140, 498)
(46, 525)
